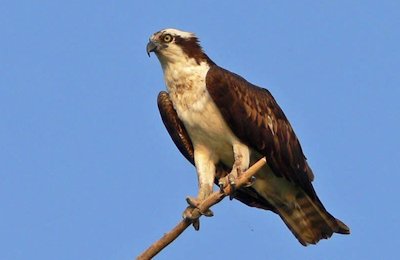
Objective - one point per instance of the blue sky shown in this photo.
(87, 170)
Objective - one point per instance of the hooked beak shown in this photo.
(151, 47)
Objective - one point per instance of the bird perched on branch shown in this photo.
(217, 119)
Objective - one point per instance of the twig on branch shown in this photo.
(211, 200)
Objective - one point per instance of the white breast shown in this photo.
(195, 107)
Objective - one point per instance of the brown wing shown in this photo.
(180, 137)
(257, 120)
(174, 126)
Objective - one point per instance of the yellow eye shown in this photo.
(167, 38)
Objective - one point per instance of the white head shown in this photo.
(171, 45)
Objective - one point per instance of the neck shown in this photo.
(181, 63)
(184, 61)
(183, 67)
(182, 75)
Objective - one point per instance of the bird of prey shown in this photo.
(217, 120)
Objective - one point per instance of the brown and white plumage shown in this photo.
(219, 120)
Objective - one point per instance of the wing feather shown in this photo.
(257, 120)
(174, 126)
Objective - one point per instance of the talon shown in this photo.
(196, 224)
(233, 193)
(187, 214)
(231, 179)
(232, 182)
(195, 203)
(221, 184)
(208, 213)
(251, 182)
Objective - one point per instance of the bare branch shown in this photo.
(211, 200)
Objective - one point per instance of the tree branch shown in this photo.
(211, 200)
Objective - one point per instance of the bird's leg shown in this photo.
(241, 164)
(234, 174)
(206, 172)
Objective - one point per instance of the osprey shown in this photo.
(218, 120)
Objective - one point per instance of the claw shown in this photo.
(195, 203)
(251, 182)
(232, 181)
(221, 184)
(233, 192)
(187, 214)
(196, 224)
(208, 213)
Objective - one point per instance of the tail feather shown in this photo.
(342, 228)
(309, 221)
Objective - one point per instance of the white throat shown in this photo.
(186, 82)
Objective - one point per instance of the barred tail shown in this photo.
(309, 221)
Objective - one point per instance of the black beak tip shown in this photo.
(151, 46)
